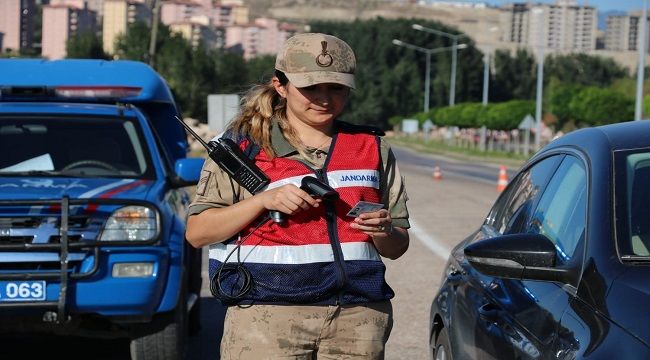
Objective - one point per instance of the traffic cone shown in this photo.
(437, 174)
(502, 182)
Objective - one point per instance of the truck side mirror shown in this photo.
(187, 171)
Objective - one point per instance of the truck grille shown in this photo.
(12, 240)
(44, 230)
(38, 266)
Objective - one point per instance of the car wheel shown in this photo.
(442, 350)
(170, 343)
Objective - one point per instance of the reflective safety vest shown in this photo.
(314, 257)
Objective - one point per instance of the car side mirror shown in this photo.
(517, 256)
(187, 172)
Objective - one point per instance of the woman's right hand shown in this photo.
(288, 199)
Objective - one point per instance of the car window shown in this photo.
(561, 212)
(511, 212)
(632, 195)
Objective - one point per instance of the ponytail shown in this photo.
(258, 108)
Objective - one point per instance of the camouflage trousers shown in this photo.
(357, 331)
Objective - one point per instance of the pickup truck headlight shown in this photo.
(131, 223)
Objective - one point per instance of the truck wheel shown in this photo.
(170, 342)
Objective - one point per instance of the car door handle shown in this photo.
(490, 312)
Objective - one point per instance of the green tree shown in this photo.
(230, 71)
(507, 115)
(646, 106)
(86, 45)
(191, 73)
(470, 115)
(134, 45)
(584, 69)
(593, 106)
(390, 79)
(515, 77)
(260, 69)
(559, 100)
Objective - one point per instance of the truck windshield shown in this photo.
(73, 147)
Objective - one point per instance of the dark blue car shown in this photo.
(560, 267)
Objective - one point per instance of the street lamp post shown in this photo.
(486, 77)
(538, 99)
(427, 73)
(454, 54)
(638, 110)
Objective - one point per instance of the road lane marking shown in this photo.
(428, 240)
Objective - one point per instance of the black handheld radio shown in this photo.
(233, 161)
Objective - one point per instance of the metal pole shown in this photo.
(428, 52)
(640, 74)
(427, 81)
(154, 32)
(452, 85)
(538, 104)
(486, 77)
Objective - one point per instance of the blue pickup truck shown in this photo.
(93, 170)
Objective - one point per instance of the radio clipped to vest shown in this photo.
(225, 153)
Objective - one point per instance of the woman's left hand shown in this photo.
(377, 223)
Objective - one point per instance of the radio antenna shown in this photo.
(194, 134)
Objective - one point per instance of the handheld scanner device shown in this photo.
(313, 187)
(317, 188)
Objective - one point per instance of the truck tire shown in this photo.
(170, 343)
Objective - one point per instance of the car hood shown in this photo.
(626, 302)
(14, 188)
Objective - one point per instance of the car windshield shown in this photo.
(632, 196)
(72, 147)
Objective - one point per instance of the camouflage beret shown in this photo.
(312, 58)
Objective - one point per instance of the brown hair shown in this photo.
(259, 107)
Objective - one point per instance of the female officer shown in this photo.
(312, 286)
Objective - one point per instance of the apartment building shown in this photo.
(179, 11)
(262, 37)
(514, 22)
(203, 21)
(618, 33)
(16, 24)
(623, 32)
(220, 14)
(118, 15)
(557, 28)
(197, 30)
(62, 20)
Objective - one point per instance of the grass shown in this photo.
(463, 153)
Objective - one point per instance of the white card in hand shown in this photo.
(364, 207)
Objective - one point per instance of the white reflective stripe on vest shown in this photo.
(298, 254)
(337, 179)
(296, 180)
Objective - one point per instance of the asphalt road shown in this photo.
(442, 213)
